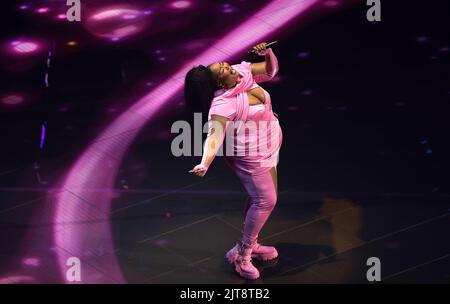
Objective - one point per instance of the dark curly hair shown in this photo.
(199, 86)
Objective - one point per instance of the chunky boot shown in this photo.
(259, 252)
(243, 262)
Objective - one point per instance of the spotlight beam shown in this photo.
(95, 169)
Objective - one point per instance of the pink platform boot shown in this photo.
(259, 252)
(243, 262)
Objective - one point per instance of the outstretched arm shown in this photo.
(216, 135)
(265, 71)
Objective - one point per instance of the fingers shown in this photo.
(260, 48)
(198, 171)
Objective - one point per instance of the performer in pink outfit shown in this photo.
(241, 111)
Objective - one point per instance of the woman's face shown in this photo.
(226, 76)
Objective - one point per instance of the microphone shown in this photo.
(267, 45)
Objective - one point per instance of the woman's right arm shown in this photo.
(216, 135)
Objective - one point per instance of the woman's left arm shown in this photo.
(265, 71)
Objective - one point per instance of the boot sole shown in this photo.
(265, 257)
(231, 258)
(244, 274)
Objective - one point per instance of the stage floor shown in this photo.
(181, 236)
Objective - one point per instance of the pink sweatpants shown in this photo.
(260, 203)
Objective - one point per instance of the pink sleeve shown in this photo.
(223, 107)
(272, 68)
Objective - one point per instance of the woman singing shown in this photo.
(232, 96)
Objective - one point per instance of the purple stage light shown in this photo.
(13, 99)
(42, 10)
(116, 23)
(25, 47)
(41, 144)
(180, 4)
(31, 262)
(331, 3)
(95, 169)
(303, 54)
(129, 16)
(125, 31)
(107, 14)
(422, 39)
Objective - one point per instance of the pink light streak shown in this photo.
(12, 99)
(31, 262)
(125, 31)
(42, 10)
(96, 170)
(181, 4)
(25, 47)
(116, 23)
(107, 14)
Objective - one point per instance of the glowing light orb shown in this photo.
(26, 47)
(61, 16)
(42, 10)
(180, 4)
(12, 99)
(303, 54)
(116, 23)
(331, 3)
(422, 39)
(227, 8)
(31, 262)
(129, 16)
(23, 47)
